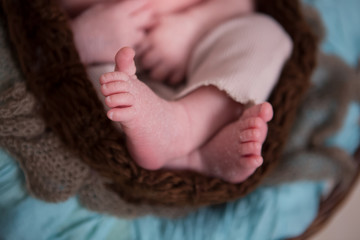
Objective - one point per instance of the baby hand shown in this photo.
(166, 49)
(102, 30)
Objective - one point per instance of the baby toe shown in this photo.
(251, 162)
(121, 114)
(252, 111)
(120, 100)
(266, 111)
(114, 76)
(250, 135)
(250, 148)
(111, 88)
(124, 61)
(250, 123)
(263, 111)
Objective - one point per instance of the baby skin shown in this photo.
(223, 140)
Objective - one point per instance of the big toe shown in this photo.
(266, 111)
(263, 110)
(124, 61)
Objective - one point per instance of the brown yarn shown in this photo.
(44, 46)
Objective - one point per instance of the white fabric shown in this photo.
(242, 57)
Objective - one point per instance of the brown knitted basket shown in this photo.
(44, 47)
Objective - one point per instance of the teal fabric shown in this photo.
(268, 213)
(23, 217)
(342, 22)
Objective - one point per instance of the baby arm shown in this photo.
(104, 28)
(168, 46)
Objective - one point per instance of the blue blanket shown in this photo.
(268, 213)
(342, 23)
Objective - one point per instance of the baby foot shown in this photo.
(235, 152)
(156, 129)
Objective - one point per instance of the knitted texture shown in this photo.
(69, 106)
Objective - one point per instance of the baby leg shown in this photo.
(242, 57)
(173, 134)
(157, 130)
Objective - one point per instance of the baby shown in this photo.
(217, 124)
